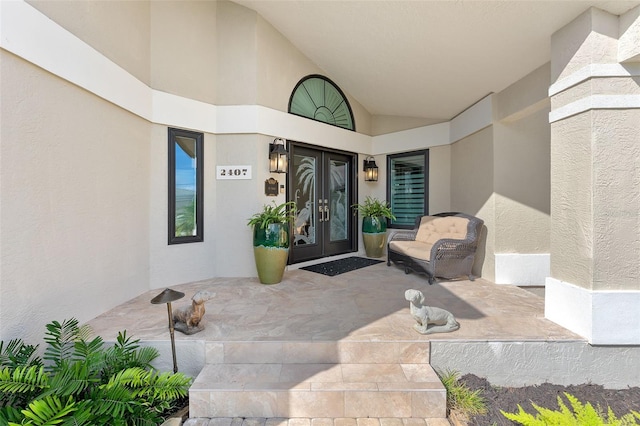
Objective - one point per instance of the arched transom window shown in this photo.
(318, 98)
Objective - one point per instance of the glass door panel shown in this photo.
(338, 201)
(305, 171)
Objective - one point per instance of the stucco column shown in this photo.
(594, 288)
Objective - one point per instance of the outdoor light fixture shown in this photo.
(278, 156)
(168, 296)
(370, 170)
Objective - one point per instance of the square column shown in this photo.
(594, 288)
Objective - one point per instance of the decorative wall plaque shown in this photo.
(271, 187)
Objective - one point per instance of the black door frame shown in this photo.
(353, 197)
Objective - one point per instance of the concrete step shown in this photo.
(327, 390)
(318, 352)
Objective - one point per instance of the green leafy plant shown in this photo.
(373, 207)
(459, 397)
(578, 415)
(278, 213)
(82, 382)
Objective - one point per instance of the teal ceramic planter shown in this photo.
(374, 235)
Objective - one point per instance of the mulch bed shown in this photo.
(546, 395)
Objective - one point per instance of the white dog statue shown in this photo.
(187, 319)
(429, 319)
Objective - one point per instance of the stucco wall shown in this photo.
(629, 41)
(237, 200)
(571, 200)
(440, 179)
(236, 46)
(75, 202)
(472, 190)
(179, 263)
(190, 72)
(590, 38)
(522, 186)
(616, 193)
(522, 165)
(119, 30)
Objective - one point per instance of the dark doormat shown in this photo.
(340, 266)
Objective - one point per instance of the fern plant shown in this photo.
(82, 382)
(278, 213)
(578, 415)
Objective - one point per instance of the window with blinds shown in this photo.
(408, 178)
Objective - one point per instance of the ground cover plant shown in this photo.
(607, 403)
(81, 381)
(578, 414)
(461, 400)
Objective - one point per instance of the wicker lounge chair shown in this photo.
(443, 245)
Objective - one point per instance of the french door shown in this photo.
(322, 184)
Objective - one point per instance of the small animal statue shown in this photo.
(187, 319)
(429, 319)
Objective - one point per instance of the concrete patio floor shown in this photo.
(359, 316)
(363, 305)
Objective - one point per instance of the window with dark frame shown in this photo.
(318, 98)
(408, 187)
(185, 186)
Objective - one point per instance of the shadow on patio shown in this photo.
(363, 305)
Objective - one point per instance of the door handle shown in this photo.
(320, 211)
(326, 213)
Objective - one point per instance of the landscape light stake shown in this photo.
(168, 296)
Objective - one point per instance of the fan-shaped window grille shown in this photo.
(318, 98)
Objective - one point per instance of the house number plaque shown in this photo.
(233, 172)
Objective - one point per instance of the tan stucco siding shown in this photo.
(120, 30)
(440, 179)
(472, 190)
(75, 201)
(571, 200)
(522, 184)
(591, 38)
(616, 193)
(184, 49)
(237, 54)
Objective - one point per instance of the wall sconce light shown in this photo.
(370, 170)
(278, 156)
(168, 296)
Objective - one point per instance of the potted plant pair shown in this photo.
(374, 214)
(271, 240)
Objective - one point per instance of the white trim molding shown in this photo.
(603, 317)
(594, 101)
(522, 269)
(594, 71)
(475, 118)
